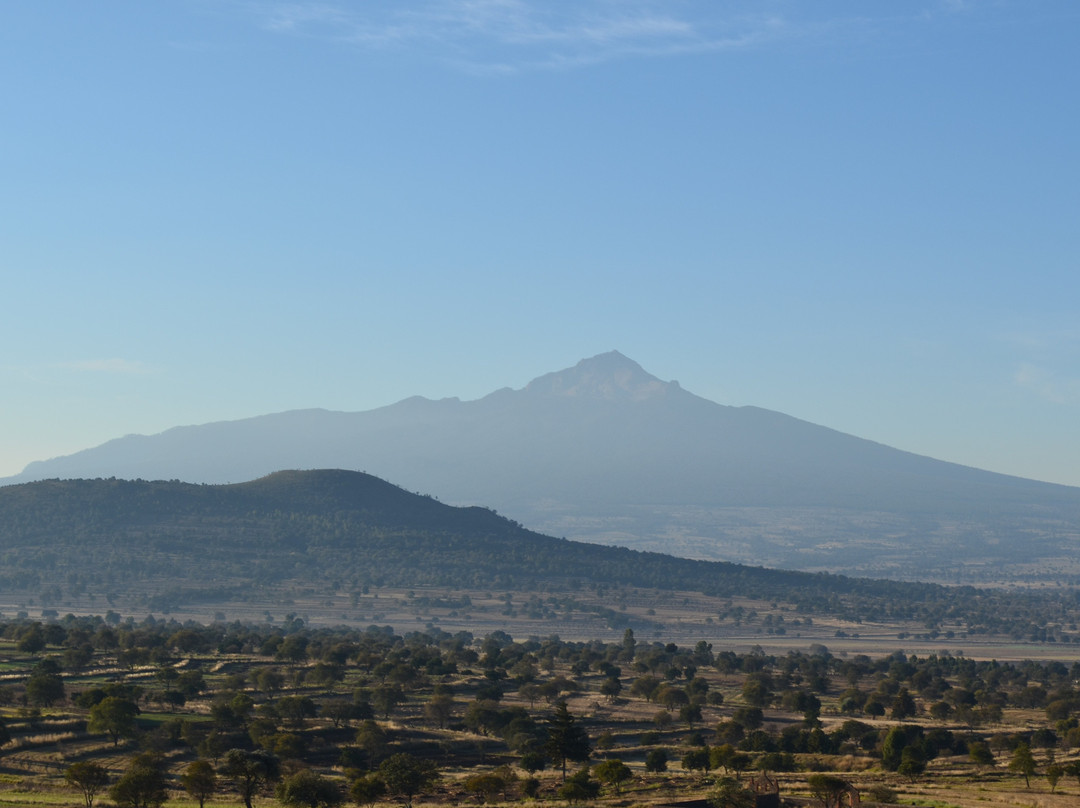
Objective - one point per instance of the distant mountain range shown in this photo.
(605, 452)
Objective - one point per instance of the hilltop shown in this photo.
(159, 545)
(605, 452)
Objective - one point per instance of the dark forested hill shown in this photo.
(342, 531)
(605, 452)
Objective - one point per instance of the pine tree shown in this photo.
(566, 739)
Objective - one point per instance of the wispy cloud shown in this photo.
(1047, 363)
(1060, 340)
(1048, 385)
(118, 366)
(511, 36)
(515, 35)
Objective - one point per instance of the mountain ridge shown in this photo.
(169, 546)
(605, 452)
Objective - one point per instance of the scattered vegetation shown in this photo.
(299, 716)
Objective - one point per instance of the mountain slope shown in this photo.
(606, 452)
(162, 544)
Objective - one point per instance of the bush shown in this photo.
(881, 793)
(579, 788)
(306, 789)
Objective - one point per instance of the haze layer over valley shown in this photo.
(606, 452)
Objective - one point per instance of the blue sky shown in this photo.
(863, 214)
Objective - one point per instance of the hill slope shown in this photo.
(606, 452)
(167, 543)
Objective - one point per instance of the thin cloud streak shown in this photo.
(1047, 361)
(505, 36)
(1048, 385)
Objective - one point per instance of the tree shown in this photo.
(802, 701)
(721, 757)
(873, 706)
(611, 687)
(739, 762)
(656, 760)
(45, 686)
(827, 788)
(613, 773)
(748, 717)
(729, 793)
(605, 741)
(980, 754)
(293, 648)
(645, 687)
(113, 716)
(566, 739)
(307, 789)
(629, 645)
(367, 790)
(285, 745)
(896, 740)
(141, 786)
(373, 739)
(903, 705)
(530, 691)
(1073, 769)
(386, 697)
(698, 759)
(579, 788)
(484, 786)
(533, 761)
(295, 709)
(406, 775)
(1023, 763)
(269, 681)
(729, 733)
(88, 777)
(1053, 775)
(941, 710)
(690, 713)
(775, 762)
(200, 781)
(672, 697)
(190, 683)
(250, 771)
(483, 716)
(530, 787)
(339, 711)
(756, 691)
(32, 640)
(439, 708)
(912, 763)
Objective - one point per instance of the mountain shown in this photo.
(606, 452)
(328, 534)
